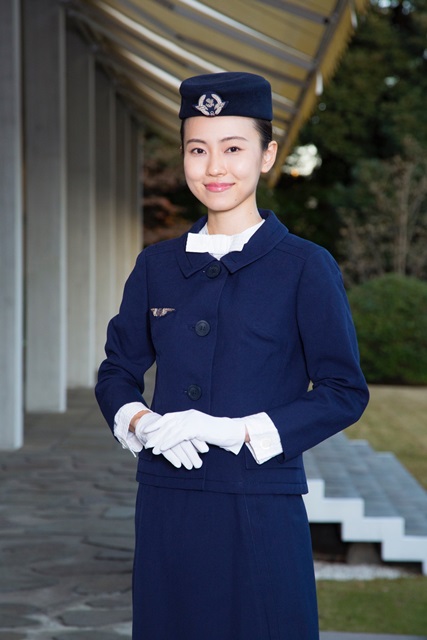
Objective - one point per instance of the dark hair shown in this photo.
(264, 128)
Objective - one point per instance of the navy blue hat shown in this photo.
(230, 93)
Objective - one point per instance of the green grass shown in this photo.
(395, 420)
(377, 606)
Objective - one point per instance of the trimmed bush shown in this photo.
(390, 314)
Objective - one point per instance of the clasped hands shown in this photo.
(180, 436)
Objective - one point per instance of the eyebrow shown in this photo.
(227, 139)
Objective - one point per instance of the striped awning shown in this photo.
(150, 46)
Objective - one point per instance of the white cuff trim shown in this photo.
(122, 419)
(265, 441)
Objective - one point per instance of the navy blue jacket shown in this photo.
(246, 334)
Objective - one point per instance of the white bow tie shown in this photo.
(219, 244)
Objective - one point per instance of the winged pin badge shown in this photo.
(159, 312)
(210, 104)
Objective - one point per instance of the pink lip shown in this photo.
(218, 187)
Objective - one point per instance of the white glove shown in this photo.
(145, 421)
(184, 453)
(181, 426)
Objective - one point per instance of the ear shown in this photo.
(269, 156)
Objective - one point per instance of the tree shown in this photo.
(376, 100)
(377, 97)
(384, 217)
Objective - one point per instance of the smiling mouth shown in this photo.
(218, 187)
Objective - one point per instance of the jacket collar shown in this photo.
(261, 243)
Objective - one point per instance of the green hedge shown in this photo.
(390, 314)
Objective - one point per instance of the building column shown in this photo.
(11, 270)
(80, 212)
(45, 205)
(136, 193)
(106, 298)
(123, 204)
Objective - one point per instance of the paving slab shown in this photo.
(66, 531)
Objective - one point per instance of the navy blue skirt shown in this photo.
(219, 566)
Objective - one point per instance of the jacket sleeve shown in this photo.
(129, 348)
(339, 393)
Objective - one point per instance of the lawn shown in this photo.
(376, 606)
(395, 420)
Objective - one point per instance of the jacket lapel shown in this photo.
(261, 243)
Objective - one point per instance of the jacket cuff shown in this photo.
(264, 437)
(122, 419)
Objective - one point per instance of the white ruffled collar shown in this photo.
(218, 245)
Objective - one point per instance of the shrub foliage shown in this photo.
(390, 314)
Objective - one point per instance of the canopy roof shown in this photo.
(150, 46)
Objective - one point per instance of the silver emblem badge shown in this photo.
(159, 312)
(210, 104)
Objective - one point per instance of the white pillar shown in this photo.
(123, 199)
(11, 305)
(45, 159)
(106, 300)
(136, 189)
(80, 212)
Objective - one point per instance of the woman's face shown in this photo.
(223, 161)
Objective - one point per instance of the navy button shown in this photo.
(213, 270)
(194, 392)
(202, 328)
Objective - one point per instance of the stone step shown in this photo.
(346, 473)
(371, 494)
(407, 495)
(351, 468)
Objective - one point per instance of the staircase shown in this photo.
(372, 496)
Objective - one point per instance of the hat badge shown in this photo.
(210, 104)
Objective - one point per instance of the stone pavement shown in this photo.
(66, 531)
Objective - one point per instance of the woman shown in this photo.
(239, 316)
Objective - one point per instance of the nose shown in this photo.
(216, 165)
